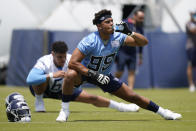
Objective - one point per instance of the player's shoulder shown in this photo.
(90, 39)
(46, 57)
(44, 62)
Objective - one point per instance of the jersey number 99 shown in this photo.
(101, 62)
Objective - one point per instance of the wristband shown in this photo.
(132, 34)
(50, 75)
(92, 73)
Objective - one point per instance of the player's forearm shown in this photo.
(78, 67)
(139, 39)
(36, 77)
(136, 39)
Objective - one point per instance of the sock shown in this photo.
(65, 106)
(160, 111)
(66, 98)
(39, 97)
(113, 104)
(153, 107)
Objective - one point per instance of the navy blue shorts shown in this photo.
(58, 95)
(126, 60)
(191, 55)
(112, 86)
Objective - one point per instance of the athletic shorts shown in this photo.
(126, 60)
(58, 95)
(112, 86)
(191, 55)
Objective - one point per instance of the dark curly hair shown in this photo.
(99, 14)
(59, 47)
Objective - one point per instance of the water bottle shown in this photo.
(118, 27)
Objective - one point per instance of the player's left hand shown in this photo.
(123, 28)
(59, 74)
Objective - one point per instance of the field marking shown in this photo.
(73, 121)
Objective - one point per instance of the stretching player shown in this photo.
(93, 58)
(46, 77)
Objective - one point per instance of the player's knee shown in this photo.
(70, 75)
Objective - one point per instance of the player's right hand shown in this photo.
(59, 74)
(100, 78)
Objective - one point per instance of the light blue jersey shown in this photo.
(100, 57)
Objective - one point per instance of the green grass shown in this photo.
(86, 117)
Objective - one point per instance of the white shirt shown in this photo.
(46, 64)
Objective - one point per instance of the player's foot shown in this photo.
(169, 115)
(192, 88)
(128, 107)
(63, 116)
(39, 105)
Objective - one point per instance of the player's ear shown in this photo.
(99, 26)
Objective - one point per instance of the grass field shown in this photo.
(86, 117)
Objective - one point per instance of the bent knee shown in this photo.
(71, 74)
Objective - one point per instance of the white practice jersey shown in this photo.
(46, 64)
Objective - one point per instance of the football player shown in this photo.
(93, 58)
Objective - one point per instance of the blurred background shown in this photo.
(28, 27)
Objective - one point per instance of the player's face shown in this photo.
(59, 59)
(139, 17)
(106, 26)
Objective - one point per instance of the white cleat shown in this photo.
(128, 107)
(39, 105)
(169, 115)
(63, 116)
(192, 88)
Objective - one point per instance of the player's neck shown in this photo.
(57, 66)
(104, 37)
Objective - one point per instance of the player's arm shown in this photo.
(75, 64)
(38, 76)
(133, 38)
